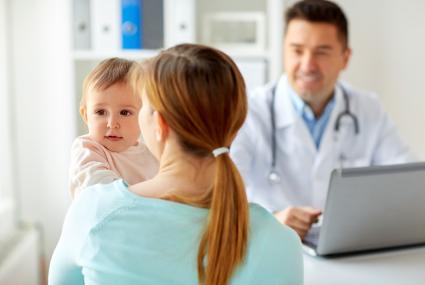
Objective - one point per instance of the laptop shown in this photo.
(371, 208)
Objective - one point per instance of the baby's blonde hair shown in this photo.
(105, 74)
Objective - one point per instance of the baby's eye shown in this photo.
(100, 112)
(126, 113)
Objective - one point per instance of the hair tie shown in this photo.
(218, 151)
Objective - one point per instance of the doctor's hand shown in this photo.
(299, 219)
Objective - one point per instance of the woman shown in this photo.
(191, 223)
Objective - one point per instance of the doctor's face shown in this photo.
(314, 55)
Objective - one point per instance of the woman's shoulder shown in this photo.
(262, 220)
(271, 237)
(97, 202)
(274, 253)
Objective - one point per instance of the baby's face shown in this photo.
(112, 117)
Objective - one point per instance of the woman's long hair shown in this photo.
(201, 94)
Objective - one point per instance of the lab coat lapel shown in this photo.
(289, 121)
(330, 147)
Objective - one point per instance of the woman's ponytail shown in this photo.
(224, 242)
(201, 95)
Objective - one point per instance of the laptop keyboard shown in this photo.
(312, 236)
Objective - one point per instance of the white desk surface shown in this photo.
(395, 267)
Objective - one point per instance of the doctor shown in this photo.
(308, 123)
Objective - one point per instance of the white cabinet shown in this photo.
(20, 259)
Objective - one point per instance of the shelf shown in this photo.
(100, 55)
(144, 54)
(247, 55)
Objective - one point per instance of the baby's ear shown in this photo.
(83, 113)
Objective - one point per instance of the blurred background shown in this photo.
(48, 46)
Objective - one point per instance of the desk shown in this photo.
(402, 266)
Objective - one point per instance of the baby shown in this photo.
(112, 149)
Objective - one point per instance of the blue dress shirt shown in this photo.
(316, 126)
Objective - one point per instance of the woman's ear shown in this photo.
(83, 113)
(161, 127)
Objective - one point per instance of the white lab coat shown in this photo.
(305, 170)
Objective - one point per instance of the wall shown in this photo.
(44, 110)
(6, 167)
(387, 37)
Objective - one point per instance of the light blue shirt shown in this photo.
(316, 126)
(113, 236)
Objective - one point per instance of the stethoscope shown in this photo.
(274, 177)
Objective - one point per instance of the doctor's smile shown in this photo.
(308, 81)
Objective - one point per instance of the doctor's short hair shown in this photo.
(107, 73)
(319, 11)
